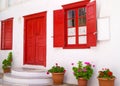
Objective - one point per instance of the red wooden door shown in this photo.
(35, 39)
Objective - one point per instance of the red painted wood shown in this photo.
(75, 4)
(91, 23)
(77, 45)
(58, 28)
(35, 39)
(7, 26)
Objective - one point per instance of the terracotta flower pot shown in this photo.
(58, 78)
(7, 70)
(82, 82)
(106, 82)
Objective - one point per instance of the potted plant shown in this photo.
(6, 63)
(83, 72)
(57, 74)
(106, 77)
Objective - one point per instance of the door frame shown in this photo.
(27, 17)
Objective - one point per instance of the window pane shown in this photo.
(71, 14)
(82, 11)
(82, 21)
(82, 30)
(71, 31)
(71, 40)
(71, 23)
(82, 40)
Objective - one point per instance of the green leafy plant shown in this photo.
(56, 69)
(106, 74)
(7, 62)
(83, 71)
(9, 56)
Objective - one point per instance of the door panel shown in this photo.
(30, 42)
(35, 39)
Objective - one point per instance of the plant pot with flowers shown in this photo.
(83, 72)
(57, 74)
(106, 77)
(7, 63)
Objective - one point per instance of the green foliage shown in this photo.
(7, 62)
(106, 73)
(56, 69)
(82, 71)
(9, 56)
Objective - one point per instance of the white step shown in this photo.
(28, 72)
(28, 76)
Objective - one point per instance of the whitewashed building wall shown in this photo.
(104, 55)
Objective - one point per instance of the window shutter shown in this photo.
(91, 23)
(58, 36)
(2, 34)
(7, 34)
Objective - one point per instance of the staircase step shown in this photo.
(27, 80)
(29, 72)
(28, 76)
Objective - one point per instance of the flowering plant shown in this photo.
(106, 73)
(56, 69)
(83, 71)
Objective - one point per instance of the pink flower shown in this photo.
(84, 70)
(87, 63)
(102, 68)
(93, 65)
(47, 73)
(64, 71)
(56, 64)
(79, 70)
(72, 64)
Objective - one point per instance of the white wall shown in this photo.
(104, 55)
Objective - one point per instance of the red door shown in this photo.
(35, 39)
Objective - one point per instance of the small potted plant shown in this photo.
(83, 72)
(106, 77)
(57, 74)
(6, 63)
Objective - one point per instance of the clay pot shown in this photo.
(58, 78)
(7, 70)
(106, 82)
(82, 82)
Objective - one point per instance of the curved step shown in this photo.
(28, 72)
(8, 77)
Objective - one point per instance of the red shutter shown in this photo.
(58, 28)
(91, 23)
(7, 34)
(2, 34)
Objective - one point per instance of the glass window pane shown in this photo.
(71, 31)
(82, 11)
(82, 30)
(82, 40)
(82, 21)
(71, 40)
(71, 23)
(71, 14)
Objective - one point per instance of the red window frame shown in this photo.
(6, 34)
(75, 6)
(76, 45)
(61, 26)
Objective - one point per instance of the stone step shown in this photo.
(29, 72)
(28, 76)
